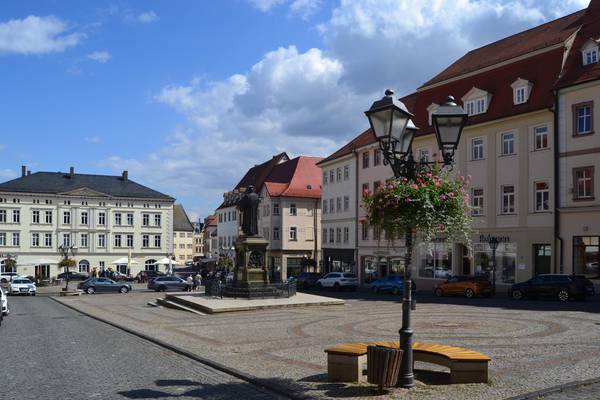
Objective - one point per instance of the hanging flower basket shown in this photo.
(433, 204)
(67, 262)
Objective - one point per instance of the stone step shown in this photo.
(177, 306)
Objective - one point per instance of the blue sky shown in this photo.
(187, 95)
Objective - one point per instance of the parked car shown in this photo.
(229, 278)
(93, 285)
(307, 280)
(468, 286)
(164, 283)
(560, 286)
(3, 303)
(6, 277)
(391, 283)
(439, 272)
(338, 281)
(153, 274)
(117, 276)
(22, 286)
(73, 276)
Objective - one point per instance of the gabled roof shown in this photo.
(211, 220)
(181, 222)
(61, 183)
(574, 71)
(540, 37)
(365, 138)
(299, 177)
(257, 174)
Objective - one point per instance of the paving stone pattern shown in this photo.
(51, 352)
(586, 392)
(533, 344)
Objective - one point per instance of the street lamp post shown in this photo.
(64, 250)
(391, 123)
(493, 243)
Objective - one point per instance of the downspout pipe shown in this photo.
(557, 238)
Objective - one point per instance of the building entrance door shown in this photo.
(542, 254)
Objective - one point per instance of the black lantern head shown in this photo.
(494, 243)
(388, 118)
(449, 120)
(74, 250)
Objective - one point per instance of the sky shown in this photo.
(187, 95)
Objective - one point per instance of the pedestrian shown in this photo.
(198, 280)
(189, 282)
(194, 283)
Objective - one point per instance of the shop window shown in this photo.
(506, 258)
(586, 256)
(436, 261)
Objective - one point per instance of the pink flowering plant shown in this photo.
(433, 204)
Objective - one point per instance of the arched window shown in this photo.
(84, 266)
(150, 265)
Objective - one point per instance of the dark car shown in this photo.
(73, 276)
(153, 274)
(93, 285)
(163, 283)
(562, 287)
(307, 279)
(391, 283)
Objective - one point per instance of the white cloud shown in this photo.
(305, 8)
(36, 35)
(92, 139)
(266, 5)
(100, 56)
(147, 17)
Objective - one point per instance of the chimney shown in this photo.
(125, 175)
(23, 170)
(71, 172)
(28, 172)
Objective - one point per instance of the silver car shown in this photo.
(4, 302)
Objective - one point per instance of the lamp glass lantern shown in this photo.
(449, 120)
(494, 243)
(388, 118)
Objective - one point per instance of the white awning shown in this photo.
(123, 261)
(166, 261)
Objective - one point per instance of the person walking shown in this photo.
(190, 283)
(198, 281)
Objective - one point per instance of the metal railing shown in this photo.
(215, 288)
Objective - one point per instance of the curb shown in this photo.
(278, 389)
(554, 389)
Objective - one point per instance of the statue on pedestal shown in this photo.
(248, 205)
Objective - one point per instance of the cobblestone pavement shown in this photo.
(533, 344)
(586, 392)
(51, 352)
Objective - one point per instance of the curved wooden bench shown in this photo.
(345, 362)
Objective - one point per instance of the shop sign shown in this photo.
(501, 239)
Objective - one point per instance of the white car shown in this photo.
(6, 277)
(22, 286)
(4, 303)
(338, 281)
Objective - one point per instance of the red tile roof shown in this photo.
(542, 36)
(257, 174)
(299, 177)
(365, 138)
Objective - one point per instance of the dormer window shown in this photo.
(521, 91)
(589, 52)
(476, 101)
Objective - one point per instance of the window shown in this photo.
(331, 176)
(338, 204)
(275, 233)
(583, 183)
(16, 216)
(470, 107)
(84, 266)
(376, 232)
(145, 241)
(339, 174)
(146, 219)
(376, 186)
(67, 217)
(480, 106)
(324, 239)
(324, 207)
(346, 172)
(220, 217)
(2, 239)
(424, 155)
(477, 202)
(118, 219)
(130, 219)
(156, 240)
(586, 256)
(331, 235)
(130, 241)
(540, 134)
(293, 233)
(101, 218)
(365, 231)
(346, 203)
(376, 157)
(477, 106)
(293, 210)
(477, 149)
(324, 177)
(101, 240)
(365, 189)
(346, 234)
(66, 239)
(35, 217)
(84, 218)
(583, 120)
(83, 240)
(35, 240)
(16, 239)
(542, 197)
(508, 199)
(3, 216)
(590, 57)
(338, 235)
(365, 159)
(157, 221)
(520, 95)
(48, 239)
(508, 144)
(118, 240)
(275, 208)
(48, 217)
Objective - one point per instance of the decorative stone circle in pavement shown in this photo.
(538, 345)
